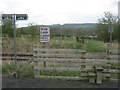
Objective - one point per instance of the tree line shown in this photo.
(101, 29)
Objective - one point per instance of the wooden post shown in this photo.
(83, 73)
(99, 74)
(83, 66)
(108, 53)
(83, 40)
(44, 63)
(77, 39)
(36, 63)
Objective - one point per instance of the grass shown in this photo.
(95, 46)
(115, 66)
(9, 68)
(25, 44)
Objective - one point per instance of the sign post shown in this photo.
(111, 29)
(15, 17)
(15, 50)
(44, 37)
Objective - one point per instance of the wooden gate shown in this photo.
(71, 60)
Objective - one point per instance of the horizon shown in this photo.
(58, 24)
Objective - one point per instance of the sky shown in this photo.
(47, 12)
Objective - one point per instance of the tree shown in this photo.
(103, 24)
(80, 32)
(53, 32)
(32, 30)
(7, 28)
(67, 32)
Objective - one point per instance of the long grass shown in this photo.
(8, 69)
(25, 44)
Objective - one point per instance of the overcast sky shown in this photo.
(59, 11)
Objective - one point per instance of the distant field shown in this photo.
(25, 45)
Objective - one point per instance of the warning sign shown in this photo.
(44, 34)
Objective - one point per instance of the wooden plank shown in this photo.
(114, 57)
(111, 71)
(91, 74)
(104, 61)
(88, 55)
(63, 77)
(58, 60)
(115, 51)
(79, 64)
(59, 55)
(77, 60)
(12, 58)
(106, 75)
(18, 54)
(70, 55)
(58, 50)
(61, 69)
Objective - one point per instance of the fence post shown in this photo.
(36, 62)
(43, 52)
(83, 66)
(108, 53)
(99, 74)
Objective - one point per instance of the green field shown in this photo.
(25, 45)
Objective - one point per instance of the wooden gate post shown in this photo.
(108, 53)
(99, 74)
(36, 62)
(83, 66)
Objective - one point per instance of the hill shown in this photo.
(85, 26)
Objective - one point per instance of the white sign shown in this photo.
(111, 29)
(44, 34)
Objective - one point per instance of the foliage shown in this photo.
(54, 32)
(95, 46)
(8, 68)
(32, 30)
(67, 31)
(103, 24)
(79, 32)
(7, 28)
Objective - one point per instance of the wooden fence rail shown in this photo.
(27, 56)
(92, 66)
(70, 60)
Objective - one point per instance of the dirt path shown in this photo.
(42, 83)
